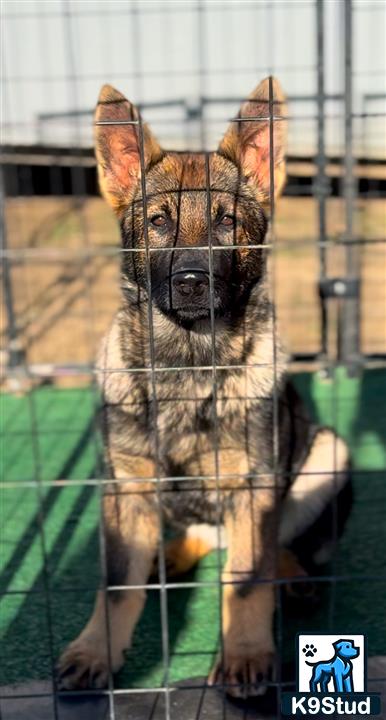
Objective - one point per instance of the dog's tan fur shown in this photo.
(237, 473)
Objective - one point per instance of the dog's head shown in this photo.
(173, 207)
(346, 649)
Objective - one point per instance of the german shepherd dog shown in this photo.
(188, 445)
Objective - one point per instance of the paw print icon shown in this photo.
(309, 650)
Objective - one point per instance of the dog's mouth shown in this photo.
(191, 310)
(190, 313)
(185, 305)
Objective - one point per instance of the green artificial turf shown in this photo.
(51, 434)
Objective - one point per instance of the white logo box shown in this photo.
(325, 651)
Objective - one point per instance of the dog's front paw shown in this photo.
(243, 672)
(85, 664)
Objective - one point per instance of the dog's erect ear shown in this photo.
(117, 147)
(247, 143)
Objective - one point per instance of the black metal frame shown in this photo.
(346, 289)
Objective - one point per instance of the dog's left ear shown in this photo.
(247, 142)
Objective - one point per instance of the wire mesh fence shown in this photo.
(192, 388)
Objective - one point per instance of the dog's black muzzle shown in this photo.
(182, 288)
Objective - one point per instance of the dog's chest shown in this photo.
(192, 413)
(184, 406)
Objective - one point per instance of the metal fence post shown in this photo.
(349, 330)
(15, 350)
(321, 184)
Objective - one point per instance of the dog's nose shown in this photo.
(191, 284)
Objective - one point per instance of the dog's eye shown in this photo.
(227, 220)
(158, 220)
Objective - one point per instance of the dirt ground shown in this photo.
(64, 299)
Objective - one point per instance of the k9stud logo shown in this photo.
(331, 677)
(331, 663)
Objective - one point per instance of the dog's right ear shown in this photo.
(117, 147)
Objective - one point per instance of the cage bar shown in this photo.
(349, 340)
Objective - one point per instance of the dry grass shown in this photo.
(64, 303)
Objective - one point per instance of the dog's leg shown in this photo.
(314, 680)
(324, 684)
(248, 596)
(323, 474)
(131, 538)
(338, 682)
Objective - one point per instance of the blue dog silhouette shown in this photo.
(339, 668)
